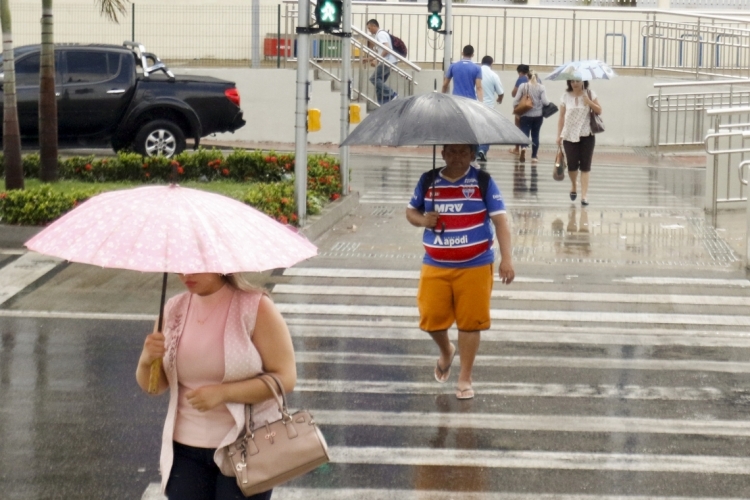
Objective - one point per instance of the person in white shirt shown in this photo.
(493, 92)
(383, 92)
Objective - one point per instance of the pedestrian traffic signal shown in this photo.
(435, 21)
(328, 14)
(434, 6)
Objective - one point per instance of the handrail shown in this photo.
(728, 111)
(739, 171)
(720, 135)
(376, 55)
(388, 49)
(702, 84)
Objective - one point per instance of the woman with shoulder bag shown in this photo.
(575, 134)
(531, 120)
(218, 336)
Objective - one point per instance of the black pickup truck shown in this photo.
(125, 96)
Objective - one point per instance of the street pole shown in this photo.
(256, 34)
(448, 52)
(300, 122)
(346, 95)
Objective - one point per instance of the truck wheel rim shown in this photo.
(161, 142)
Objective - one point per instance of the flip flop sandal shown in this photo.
(442, 374)
(467, 393)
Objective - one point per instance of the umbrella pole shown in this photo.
(155, 374)
(434, 153)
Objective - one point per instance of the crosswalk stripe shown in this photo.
(284, 493)
(575, 391)
(289, 493)
(310, 272)
(360, 358)
(636, 462)
(374, 291)
(317, 272)
(549, 334)
(524, 315)
(4, 313)
(22, 272)
(557, 423)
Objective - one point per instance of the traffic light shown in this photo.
(435, 22)
(328, 14)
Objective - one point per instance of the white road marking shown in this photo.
(283, 493)
(375, 291)
(601, 391)
(635, 462)
(557, 423)
(313, 272)
(24, 271)
(549, 334)
(362, 358)
(645, 280)
(526, 315)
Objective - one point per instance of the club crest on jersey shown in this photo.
(468, 191)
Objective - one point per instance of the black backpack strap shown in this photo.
(483, 178)
(427, 179)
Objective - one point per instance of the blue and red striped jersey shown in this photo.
(464, 233)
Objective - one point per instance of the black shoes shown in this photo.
(481, 156)
(573, 196)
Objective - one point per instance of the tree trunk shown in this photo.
(11, 133)
(47, 99)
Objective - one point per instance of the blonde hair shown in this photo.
(533, 77)
(238, 282)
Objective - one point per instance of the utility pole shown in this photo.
(448, 53)
(346, 92)
(300, 113)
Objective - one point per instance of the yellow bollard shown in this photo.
(354, 116)
(313, 120)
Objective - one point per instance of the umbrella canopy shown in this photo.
(435, 119)
(591, 69)
(171, 229)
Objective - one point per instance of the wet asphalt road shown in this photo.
(616, 367)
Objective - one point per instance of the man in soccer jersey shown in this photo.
(457, 270)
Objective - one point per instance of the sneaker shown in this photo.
(394, 97)
(481, 156)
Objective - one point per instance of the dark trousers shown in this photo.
(195, 476)
(579, 154)
(532, 125)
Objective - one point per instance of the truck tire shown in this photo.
(160, 137)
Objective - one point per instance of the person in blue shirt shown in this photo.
(466, 76)
(455, 284)
(523, 77)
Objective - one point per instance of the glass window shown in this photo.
(91, 67)
(27, 70)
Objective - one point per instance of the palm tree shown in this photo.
(11, 133)
(47, 100)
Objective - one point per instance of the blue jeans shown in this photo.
(195, 476)
(383, 92)
(484, 148)
(532, 124)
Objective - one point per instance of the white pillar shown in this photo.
(448, 54)
(346, 85)
(300, 114)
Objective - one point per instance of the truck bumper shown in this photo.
(238, 122)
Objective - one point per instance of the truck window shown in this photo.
(27, 70)
(91, 67)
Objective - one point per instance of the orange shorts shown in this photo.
(447, 295)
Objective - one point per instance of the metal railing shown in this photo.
(728, 144)
(678, 118)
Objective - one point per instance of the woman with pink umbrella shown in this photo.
(218, 335)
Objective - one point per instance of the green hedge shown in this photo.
(269, 177)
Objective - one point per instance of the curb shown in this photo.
(331, 214)
(15, 236)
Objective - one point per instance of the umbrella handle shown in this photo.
(154, 376)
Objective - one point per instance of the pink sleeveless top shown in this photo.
(241, 362)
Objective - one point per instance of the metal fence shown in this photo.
(709, 4)
(222, 35)
(678, 110)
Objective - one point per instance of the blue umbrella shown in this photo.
(590, 69)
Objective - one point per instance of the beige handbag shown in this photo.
(268, 454)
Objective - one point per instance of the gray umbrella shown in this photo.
(433, 119)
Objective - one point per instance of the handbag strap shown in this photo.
(273, 382)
